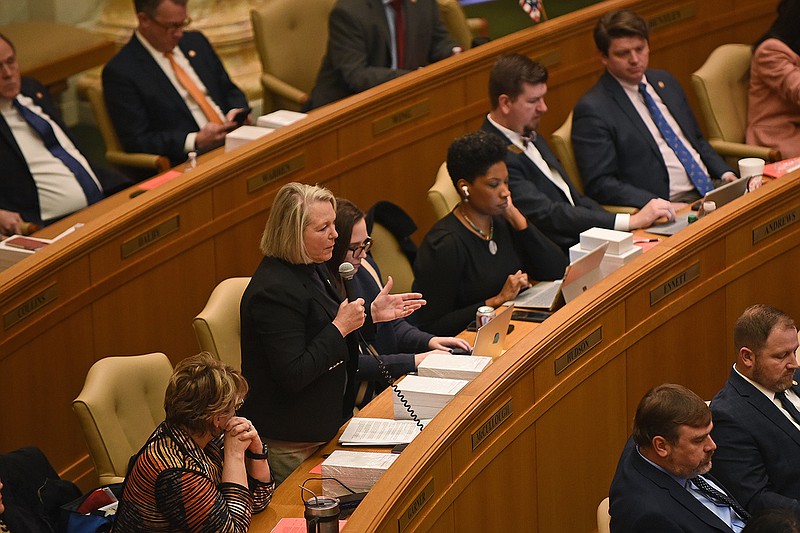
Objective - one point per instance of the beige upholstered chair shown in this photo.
(721, 86)
(291, 38)
(442, 195)
(391, 260)
(217, 327)
(603, 518)
(461, 28)
(121, 403)
(115, 154)
(561, 142)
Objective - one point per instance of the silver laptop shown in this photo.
(578, 277)
(720, 196)
(491, 337)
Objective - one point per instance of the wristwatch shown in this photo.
(258, 456)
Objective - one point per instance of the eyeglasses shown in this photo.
(365, 246)
(174, 26)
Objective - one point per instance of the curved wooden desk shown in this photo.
(134, 276)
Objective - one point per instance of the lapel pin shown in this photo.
(192, 53)
(39, 95)
(661, 84)
(794, 383)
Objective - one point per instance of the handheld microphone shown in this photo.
(347, 271)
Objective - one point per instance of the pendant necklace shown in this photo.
(490, 237)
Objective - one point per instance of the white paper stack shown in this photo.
(444, 365)
(426, 395)
(621, 249)
(358, 470)
(243, 135)
(278, 119)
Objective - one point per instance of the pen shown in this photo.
(646, 240)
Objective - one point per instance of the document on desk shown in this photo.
(378, 432)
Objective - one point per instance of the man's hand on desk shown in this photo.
(10, 222)
(728, 177)
(652, 211)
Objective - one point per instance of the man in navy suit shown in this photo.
(37, 186)
(151, 108)
(756, 418)
(621, 152)
(662, 482)
(541, 188)
(363, 50)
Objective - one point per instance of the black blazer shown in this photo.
(294, 358)
(617, 156)
(643, 499)
(543, 202)
(359, 55)
(758, 448)
(148, 113)
(18, 191)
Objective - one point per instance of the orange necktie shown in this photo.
(194, 91)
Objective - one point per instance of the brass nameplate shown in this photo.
(398, 118)
(579, 350)
(153, 235)
(674, 283)
(775, 225)
(422, 499)
(278, 171)
(673, 16)
(28, 307)
(494, 422)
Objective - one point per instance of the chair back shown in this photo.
(603, 518)
(391, 259)
(721, 86)
(454, 19)
(121, 403)
(291, 37)
(218, 327)
(561, 142)
(442, 195)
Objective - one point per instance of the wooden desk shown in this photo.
(51, 52)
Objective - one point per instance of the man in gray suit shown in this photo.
(374, 41)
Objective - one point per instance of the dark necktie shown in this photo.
(699, 178)
(45, 131)
(399, 32)
(719, 497)
(788, 405)
(528, 136)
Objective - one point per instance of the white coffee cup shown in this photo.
(750, 166)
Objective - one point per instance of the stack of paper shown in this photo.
(427, 396)
(441, 365)
(621, 249)
(378, 432)
(358, 470)
(279, 118)
(243, 135)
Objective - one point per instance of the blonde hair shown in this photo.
(283, 234)
(201, 388)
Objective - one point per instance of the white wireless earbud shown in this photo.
(466, 191)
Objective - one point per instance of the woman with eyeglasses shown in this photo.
(401, 346)
(204, 468)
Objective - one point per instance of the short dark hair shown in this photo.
(756, 323)
(148, 7)
(785, 26)
(347, 214)
(510, 72)
(6, 39)
(616, 24)
(471, 156)
(774, 521)
(664, 409)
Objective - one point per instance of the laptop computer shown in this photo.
(491, 337)
(720, 196)
(578, 277)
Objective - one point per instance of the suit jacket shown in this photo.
(359, 48)
(543, 202)
(758, 448)
(645, 499)
(148, 113)
(618, 158)
(18, 191)
(773, 106)
(300, 370)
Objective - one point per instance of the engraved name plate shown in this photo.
(674, 283)
(494, 422)
(150, 236)
(30, 306)
(280, 170)
(579, 350)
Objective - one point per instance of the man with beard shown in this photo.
(661, 483)
(757, 423)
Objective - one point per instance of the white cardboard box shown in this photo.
(279, 118)
(619, 242)
(611, 262)
(243, 135)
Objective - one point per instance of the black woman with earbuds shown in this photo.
(485, 251)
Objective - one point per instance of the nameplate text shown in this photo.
(417, 504)
(579, 350)
(672, 16)
(494, 422)
(30, 306)
(674, 283)
(403, 116)
(284, 168)
(150, 236)
(775, 225)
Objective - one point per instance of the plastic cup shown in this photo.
(751, 166)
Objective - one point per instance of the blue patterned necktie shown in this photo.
(699, 178)
(719, 497)
(43, 128)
